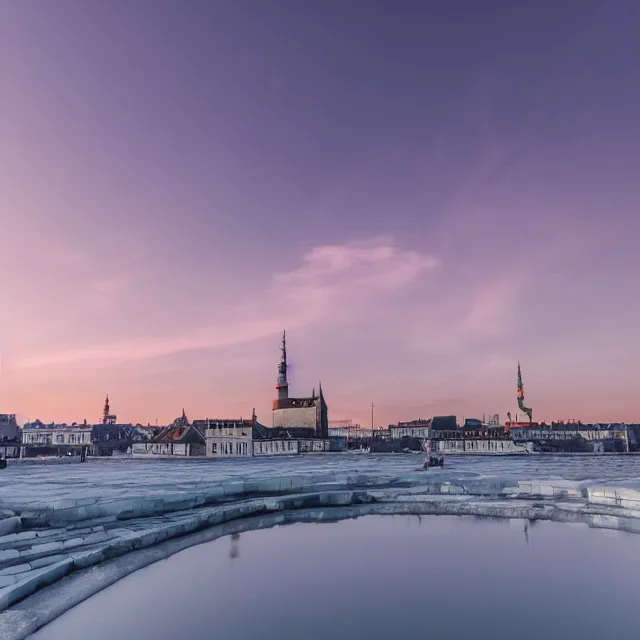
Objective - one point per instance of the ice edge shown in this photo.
(29, 604)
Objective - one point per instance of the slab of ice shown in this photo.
(102, 510)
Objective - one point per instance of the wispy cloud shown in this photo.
(491, 309)
(205, 338)
(470, 313)
(329, 278)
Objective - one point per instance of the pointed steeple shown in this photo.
(520, 396)
(322, 428)
(106, 411)
(282, 385)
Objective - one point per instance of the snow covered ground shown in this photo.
(120, 514)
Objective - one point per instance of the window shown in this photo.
(60, 438)
(214, 448)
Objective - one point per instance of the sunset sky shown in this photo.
(421, 193)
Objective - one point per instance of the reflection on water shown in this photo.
(377, 578)
(235, 545)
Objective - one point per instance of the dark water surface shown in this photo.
(378, 577)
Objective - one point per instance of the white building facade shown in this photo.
(414, 429)
(228, 438)
(51, 439)
(289, 447)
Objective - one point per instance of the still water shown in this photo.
(378, 577)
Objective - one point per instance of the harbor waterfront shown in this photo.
(97, 522)
(301, 425)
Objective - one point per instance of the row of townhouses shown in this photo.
(229, 438)
(214, 438)
(298, 425)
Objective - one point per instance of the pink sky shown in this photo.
(416, 227)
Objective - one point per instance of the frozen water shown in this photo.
(63, 518)
(104, 479)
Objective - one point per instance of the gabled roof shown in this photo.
(177, 433)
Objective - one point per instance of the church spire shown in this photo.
(520, 396)
(322, 429)
(105, 411)
(282, 385)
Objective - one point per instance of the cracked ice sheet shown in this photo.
(112, 481)
(44, 606)
(435, 492)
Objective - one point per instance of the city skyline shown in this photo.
(421, 195)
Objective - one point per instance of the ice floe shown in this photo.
(114, 517)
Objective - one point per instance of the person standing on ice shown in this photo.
(427, 450)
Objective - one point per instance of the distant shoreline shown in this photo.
(194, 459)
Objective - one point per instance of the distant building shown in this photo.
(443, 423)
(575, 437)
(39, 439)
(362, 432)
(107, 416)
(475, 436)
(289, 446)
(305, 417)
(10, 436)
(420, 428)
(107, 438)
(9, 429)
(227, 438)
(343, 428)
(142, 432)
(178, 439)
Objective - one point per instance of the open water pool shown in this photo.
(378, 577)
